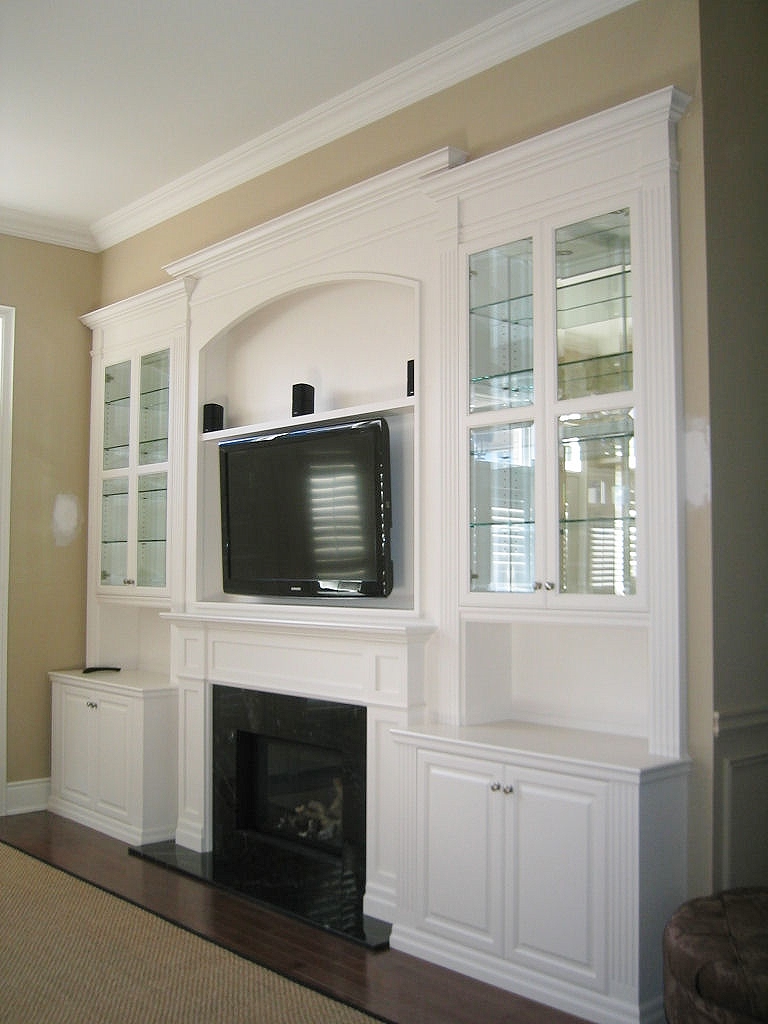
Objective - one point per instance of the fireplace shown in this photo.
(289, 804)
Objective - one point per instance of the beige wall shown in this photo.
(50, 287)
(648, 45)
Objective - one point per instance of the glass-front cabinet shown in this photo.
(551, 413)
(134, 472)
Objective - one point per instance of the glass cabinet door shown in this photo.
(134, 494)
(501, 372)
(558, 392)
(114, 531)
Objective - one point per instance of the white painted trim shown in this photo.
(27, 796)
(739, 719)
(527, 25)
(7, 316)
(47, 229)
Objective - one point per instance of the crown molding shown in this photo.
(47, 229)
(529, 24)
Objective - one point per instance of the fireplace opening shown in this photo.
(290, 792)
(289, 779)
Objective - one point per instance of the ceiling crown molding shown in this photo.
(47, 229)
(529, 24)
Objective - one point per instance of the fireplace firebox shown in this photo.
(289, 779)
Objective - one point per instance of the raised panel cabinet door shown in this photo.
(113, 757)
(77, 729)
(556, 884)
(460, 849)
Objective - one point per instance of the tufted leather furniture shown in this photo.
(716, 959)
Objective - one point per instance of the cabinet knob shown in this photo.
(129, 583)
(495, 787)
(509, 789)
(549, 585)
(91, 704)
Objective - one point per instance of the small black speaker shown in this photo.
(303, 400)
(213, 416)
(409, 379)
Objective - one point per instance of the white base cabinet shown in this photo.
(536, 860)
(113, 760)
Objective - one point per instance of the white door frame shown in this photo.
(6, 418)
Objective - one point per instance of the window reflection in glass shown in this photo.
(502, 508)
(338, 508)
(594, 306)
(598, 514)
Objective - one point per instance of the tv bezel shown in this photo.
(314, 587)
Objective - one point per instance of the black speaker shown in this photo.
(409, 379)
(213, 416)
(303, 400)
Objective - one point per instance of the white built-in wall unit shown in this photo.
(525, 680)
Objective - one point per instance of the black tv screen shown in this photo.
(306, 512)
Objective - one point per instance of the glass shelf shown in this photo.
(135, 505)
(501, 391)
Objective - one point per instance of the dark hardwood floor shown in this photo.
(387, 984)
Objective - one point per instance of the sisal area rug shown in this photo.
(70, 952)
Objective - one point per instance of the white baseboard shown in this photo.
(26, 796)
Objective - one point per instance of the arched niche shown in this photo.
(349, 338)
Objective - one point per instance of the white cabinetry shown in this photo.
(114, 753)
(490, 845)
(528, 869)
(136, 476)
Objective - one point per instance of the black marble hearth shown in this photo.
(289, 776)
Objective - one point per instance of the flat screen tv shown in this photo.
(306, 512)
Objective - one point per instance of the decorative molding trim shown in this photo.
(318, 215)
(29, 795)
(47, 229)
(146, 304)
(738, 719)
(529, 24)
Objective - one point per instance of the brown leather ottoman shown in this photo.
(716, 959)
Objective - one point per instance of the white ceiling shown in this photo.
(117, 113)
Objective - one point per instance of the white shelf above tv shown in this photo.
(395, 408)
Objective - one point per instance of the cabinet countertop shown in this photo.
(530, 742)
(131, 680)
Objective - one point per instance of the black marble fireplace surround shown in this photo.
(289, 802)
(289, 780)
